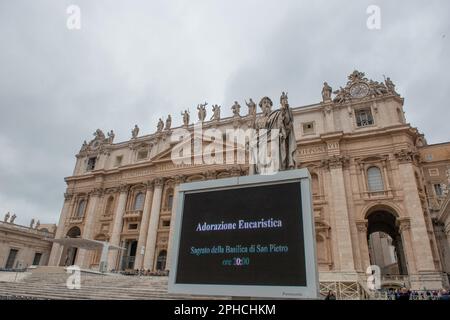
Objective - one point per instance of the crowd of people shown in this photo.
(143, 272)
(406, 294)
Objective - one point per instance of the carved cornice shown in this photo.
(124, 188)
(235, 171)
(97, 192)
(159, 182)
(68, 196)
(211, 174)
(179, 179)
(407, 156)
(150, 185)
(335, 162)
(361, 225)
(404, 224)
(111, 190)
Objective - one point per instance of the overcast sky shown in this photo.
(133, 62)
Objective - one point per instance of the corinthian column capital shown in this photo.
(159, 182)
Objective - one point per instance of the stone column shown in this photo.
(405, 232)
(419, 234)
(83, 255)
(447, 232)
(363, 245)
(152, 232)
(170, 243)
(341, 215)
(117, 227)
(55, 254)
(140, 251)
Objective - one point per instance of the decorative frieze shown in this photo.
(312, 150)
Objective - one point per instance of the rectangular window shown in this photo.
(91, 164)
(438, 190)
(11, 259)
(166, 223)
(142, 154)
(37, 258)
(308, 128)
(433, 172)
(132, 226)
(118, 161)
(364, 117)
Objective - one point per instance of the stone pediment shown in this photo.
(166, 155)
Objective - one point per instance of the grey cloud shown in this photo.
(136, 61)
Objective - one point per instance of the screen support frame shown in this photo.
(310, 291)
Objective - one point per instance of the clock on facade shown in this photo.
(359, 90)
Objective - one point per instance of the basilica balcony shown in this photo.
(76, 219)
(395, 279)
(377, 195)
(133, 215)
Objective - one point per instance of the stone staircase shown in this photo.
(93, 286)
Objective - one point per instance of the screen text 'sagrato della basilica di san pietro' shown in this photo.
(379, 191)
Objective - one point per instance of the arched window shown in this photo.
(81, 208)
(375, 179)
(109, 206)
(139, 201)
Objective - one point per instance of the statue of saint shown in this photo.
(7, 215)
(326, 92)
(160, 125)
(135, 132)
(38, 224)
(390, 86)
(32, 223)
(84, 146)
(342, 95)
(168, 122)
(13, 218)
(111, 136)
(202, 111)
(251, 108)
(216, 112)
(98, 134)
(236, 108)
(276, 127)
(185, 115)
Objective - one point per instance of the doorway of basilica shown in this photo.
(69, 254)
(129, 254)
(385, 244)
